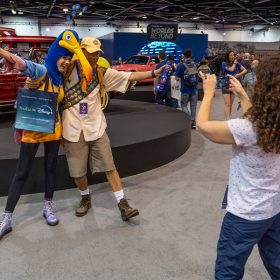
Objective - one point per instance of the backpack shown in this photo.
(190, 74)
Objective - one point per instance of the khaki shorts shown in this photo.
(98, 153)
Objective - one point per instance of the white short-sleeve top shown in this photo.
(254, 177)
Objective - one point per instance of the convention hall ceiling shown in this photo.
(242, 12)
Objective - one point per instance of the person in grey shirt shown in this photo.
(250, 78)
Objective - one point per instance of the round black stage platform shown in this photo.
(143, 136)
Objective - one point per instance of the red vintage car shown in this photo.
(139, 62)
(11, 81)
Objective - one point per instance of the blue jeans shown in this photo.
(237, 239)
(185, 99)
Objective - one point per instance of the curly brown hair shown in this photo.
(265, 110)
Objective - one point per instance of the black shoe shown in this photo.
(193, 125)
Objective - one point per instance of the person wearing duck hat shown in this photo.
(50, 78)
(84, 125)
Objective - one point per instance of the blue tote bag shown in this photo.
(36, 110)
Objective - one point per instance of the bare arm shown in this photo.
(216, 131)
(12, 61)
(7, 55)
(243, 71)
(239, 91)
(138, 76)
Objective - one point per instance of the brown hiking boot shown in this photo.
(84, 206)
(126, 211)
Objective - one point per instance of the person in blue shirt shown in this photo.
(163, 92)
(189, 93)
(232, 67)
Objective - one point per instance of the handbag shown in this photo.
(175, 88)
(36, 109)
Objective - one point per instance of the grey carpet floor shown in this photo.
(174, 237)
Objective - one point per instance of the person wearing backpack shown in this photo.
(162, 84)
(188, 73)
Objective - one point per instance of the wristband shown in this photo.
(153, 74)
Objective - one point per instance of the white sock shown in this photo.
(119, 195)
(85, 192)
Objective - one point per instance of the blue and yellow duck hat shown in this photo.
(62, 46)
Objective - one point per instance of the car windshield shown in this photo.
(22, 53)
(154, 59)
(38, 56)
(137, 60)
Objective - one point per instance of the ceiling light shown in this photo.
(80, 13)
(161, 8)
(14, 12)
(247, 20)
(261, 1)
(224, 33)
(144, 17)
(65, 10)
(20, 13)
(195, 18)
(47, 29)
(217, 21)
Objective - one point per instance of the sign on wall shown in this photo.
(162, 32)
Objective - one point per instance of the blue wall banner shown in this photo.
(162, 32)
(36, 110)
(125, 44)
